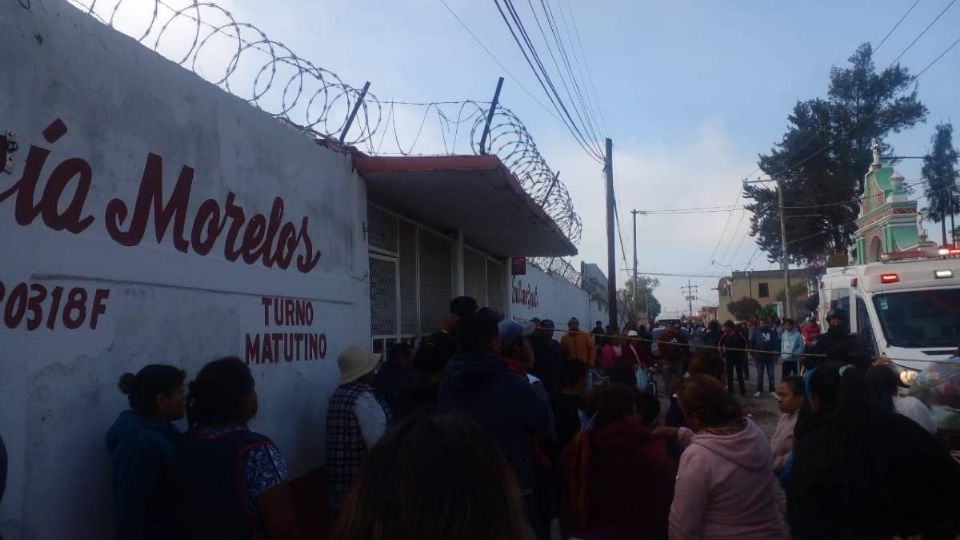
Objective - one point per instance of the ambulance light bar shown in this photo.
(889, 278)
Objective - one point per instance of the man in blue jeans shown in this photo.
(767, 344)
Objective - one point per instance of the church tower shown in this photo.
(888, 218)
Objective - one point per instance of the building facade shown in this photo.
(764, 286)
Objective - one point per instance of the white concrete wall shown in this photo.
(154, 303)
(549, 296)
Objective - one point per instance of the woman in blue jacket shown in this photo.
(142, 444)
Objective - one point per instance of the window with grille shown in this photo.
(383, 296)
(763, 290)
(436, 279)
(381, 229)
(408, 278)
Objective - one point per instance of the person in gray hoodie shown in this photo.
(142, 444)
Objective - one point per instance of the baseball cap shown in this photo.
(513, 331)
(462, 306)
(547, 323)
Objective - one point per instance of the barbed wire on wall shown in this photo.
(239, 58)
(558, 266)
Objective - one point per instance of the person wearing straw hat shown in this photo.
(356, 418)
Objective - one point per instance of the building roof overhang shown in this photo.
(477, 195)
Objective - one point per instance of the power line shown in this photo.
(937, 59)
(586, 64)
(920, 35)
(884, 40)
(522, 38)
(576, 96)
(499, 63)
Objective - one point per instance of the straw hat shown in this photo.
(355, 362)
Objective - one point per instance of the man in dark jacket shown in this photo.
(477, 383)
(732, 346)
(549, 358)
(766, 340)
(836, 333)
(446, 339)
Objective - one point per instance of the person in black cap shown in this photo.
(836, 333)
(446, 340)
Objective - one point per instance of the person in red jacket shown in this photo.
(617, 478)
(810, 332)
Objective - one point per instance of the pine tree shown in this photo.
(940, 175)
(822, 158)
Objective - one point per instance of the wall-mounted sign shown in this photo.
(519, 265)
(525, 294)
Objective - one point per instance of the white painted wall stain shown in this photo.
(121, 102)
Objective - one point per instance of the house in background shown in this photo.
(764, 286)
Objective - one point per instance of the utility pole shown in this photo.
(785, 261)
(784, 258)
(636, 282)
(690, 294)
(611, 246)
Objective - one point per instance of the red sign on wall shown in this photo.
(519, 265)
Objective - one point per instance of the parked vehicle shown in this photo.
(906, 310)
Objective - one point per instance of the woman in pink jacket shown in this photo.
(725, 484)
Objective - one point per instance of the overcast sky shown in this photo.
(690, 93)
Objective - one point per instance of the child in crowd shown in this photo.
(790, 397)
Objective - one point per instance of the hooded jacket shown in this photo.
(503, 403)
(725, 487)
(791, 345)
(629, 483)
(142, 454)
(579, 345)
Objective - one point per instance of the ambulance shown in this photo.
(907, 307)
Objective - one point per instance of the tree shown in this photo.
(644, 294)
(821, 159)
(768, 312)
(797, 291)
(940, 175)
(744, 308)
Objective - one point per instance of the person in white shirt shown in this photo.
(883, 382)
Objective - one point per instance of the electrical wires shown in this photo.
(570, 103)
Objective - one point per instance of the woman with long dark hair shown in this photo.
(617, 478)
(863, 471)
(232, 480)
(142, 446)
(434, 477)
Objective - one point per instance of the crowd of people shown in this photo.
(494, 428)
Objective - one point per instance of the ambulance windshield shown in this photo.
(928, 318)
